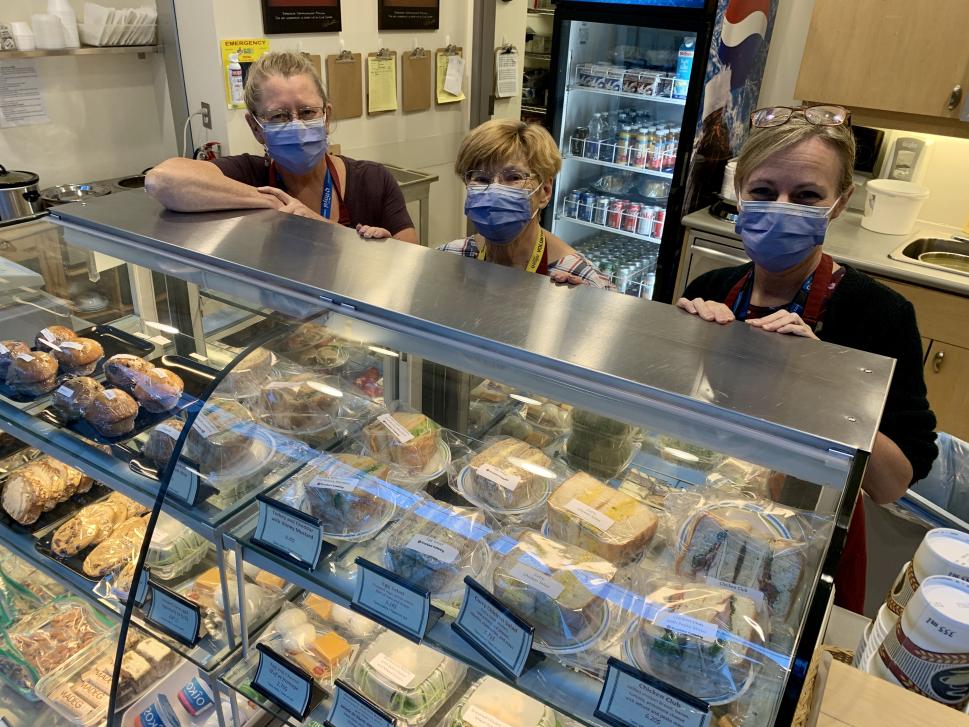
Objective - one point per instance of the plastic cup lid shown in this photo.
(898, 188)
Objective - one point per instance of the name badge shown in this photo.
(391, 601)
(174, 615)
(285, 684)
(630, 698)
(184, 483)
(499, 635)
(289, 533)
(352, 709)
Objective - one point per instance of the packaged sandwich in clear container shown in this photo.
(434, 545)
(408, 440)
(701, 638)
(408, 680)
(302, 404)
(509, 479)
(317, 649)
(740, 476)
(601, 519)
(682, 453)
(246, 377)
(313, 345)
(227, 445)
(491, 703)
(547, 417)
(560, 589)
(601, 446)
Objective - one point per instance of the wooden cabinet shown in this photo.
(899, 56)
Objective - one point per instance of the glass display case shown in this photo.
(310, 474)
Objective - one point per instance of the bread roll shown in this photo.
(158, 390)
(53, 335)
(123, 369)
(32, 374)
(79, 356)
(9, 350)
(112, 413)
(74, 395)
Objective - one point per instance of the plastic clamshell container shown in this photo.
(409, 440)
(491, 703)
(600, 446)
(302, 404)
(509, 477)
(685, 454)
(409, 681)
(435, 545)
(559, 589)
(70, 673)
(175, 549)
(310, 644)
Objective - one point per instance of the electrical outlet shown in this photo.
(206, 115)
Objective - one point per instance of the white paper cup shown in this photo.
(875, 634)
(906, 583)
(860, 660)
(928, 650)
(942, 552)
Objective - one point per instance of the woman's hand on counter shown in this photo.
(289, 204)
(783, 322)
(708, 310)
(373, 233)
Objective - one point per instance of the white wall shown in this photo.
(426, 140)
(109, 115)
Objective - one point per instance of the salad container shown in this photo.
(491, 703)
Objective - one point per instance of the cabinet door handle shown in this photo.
(937, 361)
(954, 98)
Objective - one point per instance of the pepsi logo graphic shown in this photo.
(951, 685)
(742, 35)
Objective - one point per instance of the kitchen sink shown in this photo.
(950, 255)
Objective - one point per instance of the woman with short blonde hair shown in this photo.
(509, 167)
(793, 176)
(289, 114)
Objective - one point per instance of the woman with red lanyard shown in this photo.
(508, 168)
(289, 115)
(793, 177)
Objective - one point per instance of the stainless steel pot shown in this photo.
(65, 193)
(19, 198)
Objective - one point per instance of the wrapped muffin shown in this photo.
(158, 390)
(32, 374)
(74, 395)
(123, 369)
(52, 337)
(112, 413)
(79, 356)
(9, 350)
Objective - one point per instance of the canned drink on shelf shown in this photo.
(614, 218)
(577, 142)
(659, 219)
(644, 225)
(587, 201)
(630, 214)
(571, 207)
(623, 275)
(601, 211)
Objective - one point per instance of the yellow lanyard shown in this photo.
(535, 260)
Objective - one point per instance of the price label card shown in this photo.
(390, 600)
(284, 684)
(288, 532)
(352, 709)
(176, 616)
(396, 428)
(499, 477)
(184, 484)
(501, 636)
(630, 698)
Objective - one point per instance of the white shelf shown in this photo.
(534, 109)
(623, 167)
(538, 56)
(604, 228)
(623, 94)
(111, 50)
(541, 11)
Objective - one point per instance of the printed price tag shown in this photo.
(169, 430)
(176, 616)
(590, 515)
(72, 345)
(141, 589)
(205, 425)
(426, 545)
(352, 709)
(477, 717)
(683, 624)
(536, 579)
(25, 357)
(499, 477)
(390, 600)
(66, 392)
(630, 698)
(110, 394)
(45, 332)
(284, 684)
(501, 636)
(390, 669)
(343, 484)
(752, 593)
(184, 483)
(395, 428)
(288, 532)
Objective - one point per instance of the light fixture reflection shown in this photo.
(164, 328)
(525, 400)
(384, 351)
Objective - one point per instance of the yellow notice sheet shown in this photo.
(381, 83)
(450, 74)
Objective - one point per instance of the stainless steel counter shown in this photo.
(850, 243)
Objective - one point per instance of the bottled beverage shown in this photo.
(623, 143)
(579, 137)
(654, 149)
(639, 154)
(597, 131)
(607, 147)
(669, 154)
(684, 65)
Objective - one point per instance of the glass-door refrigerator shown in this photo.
(626, 87)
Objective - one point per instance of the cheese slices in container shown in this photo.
(491, 703)
(560, 589)
(435, 545)
(600, 519)
(697, 637)
(408, 680)
(510, 480)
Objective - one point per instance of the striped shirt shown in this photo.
(574, 263)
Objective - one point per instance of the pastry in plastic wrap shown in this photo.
(435, 545)
(299, 404)
(120, 547)
(123, 369)
(696, 637)
(405, 438)
(558, 588)
(93, 524)
(73, 396)
(112, 413)
(491, 703)
(160, 445)
(585, 512)
(158, 390)
(245, 378)
(347, 494)
(221, 436)
(301, 343)
(9, 350)
(491, 391)
(599, 445)
(52, 337)
(79, 356)
(39, 486)
(739, 544)
(408, 680)
(32, 374)
(510, 474)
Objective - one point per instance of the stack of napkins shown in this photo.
(122, 26)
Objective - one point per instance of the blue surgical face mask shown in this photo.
(500, 213)
(297, 146)
(779, 235)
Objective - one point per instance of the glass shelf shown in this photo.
(615, 230)
(621, 167)
(116, 50)
(623, 94)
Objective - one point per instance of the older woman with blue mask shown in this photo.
(289, 114)
(794, 175)
(508, 168)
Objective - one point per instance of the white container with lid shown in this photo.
(23, 35)
(892, 206)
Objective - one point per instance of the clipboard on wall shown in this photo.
(382, 94)
(442, 60)
(344, 82)
(415, 76)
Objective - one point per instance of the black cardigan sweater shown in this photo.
(868, 316)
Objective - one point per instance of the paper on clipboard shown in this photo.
(449, 62)
(506, 73)
(381, 82)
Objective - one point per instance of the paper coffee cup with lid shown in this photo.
(942, 552)
(928, 650)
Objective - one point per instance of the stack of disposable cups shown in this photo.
(65, 13)
(48, 31)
